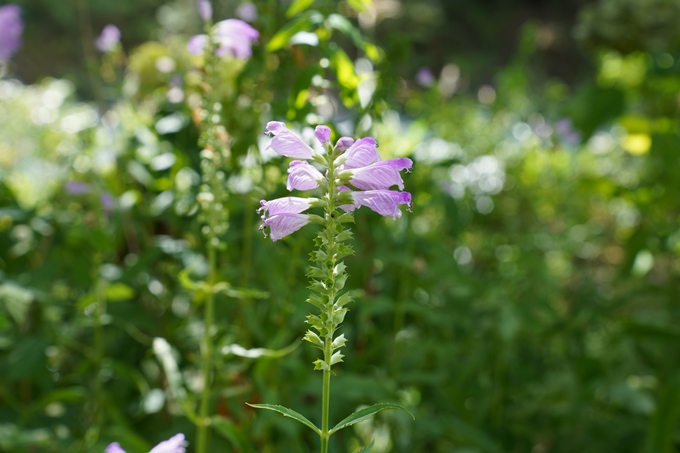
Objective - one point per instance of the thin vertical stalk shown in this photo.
(202, 438)
(328, 349)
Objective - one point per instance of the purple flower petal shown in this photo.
(109, 39)
(384, 202)
(176, 444)
(303, 176)
(205, 10)
(282, 225)
(285, 205)
(114, 448)
(424, 77)
(247, 11)
(77, 188)
(323, 133)
(381, 175)
(362, 153)
(197, 44)
(11, 28)
(235, 36)
(344, 142)
(288, 143)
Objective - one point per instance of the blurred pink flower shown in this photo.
(11, 28)
(109, 39)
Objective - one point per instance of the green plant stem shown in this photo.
(202, 438)
(328, 351)
(326, 402)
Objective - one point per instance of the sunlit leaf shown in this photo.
(298, 6)
(303, 23)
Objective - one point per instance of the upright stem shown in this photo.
(202, 441)
(212, 221)
(328, 350)
(326, 403)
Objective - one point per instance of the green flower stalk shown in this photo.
(227, 37)
(347, 166)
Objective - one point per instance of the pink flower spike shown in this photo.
(384, 202)
(114, 448)
(285, 205)
(288, 143)
(344, 142)
(176, 444)
(362, 153)
(303, 176)
(282, 225)
(323, 133)
(381, 175)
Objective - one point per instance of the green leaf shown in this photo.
(368, 448)
(239, 293)
(344, 69)
(119, 291)
(366, 413)
(287, 413)
(302, 23)
(344, 26)
(360, 6)
(232, 433)
(663, 424)
(17, 301)
(298, 6)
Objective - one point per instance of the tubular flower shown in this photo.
(380, 175)
(363, 152)
(176, 444)
(303, 176)
(11, 28)
(285, 205)
(344, 142)
(323, 133)
(281, 225)
(384, 202)
(288, 143)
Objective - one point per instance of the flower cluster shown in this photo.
(10, 30)
(362, 178)
(231, 36)
(176, 444)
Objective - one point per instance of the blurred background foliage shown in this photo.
(529, 303)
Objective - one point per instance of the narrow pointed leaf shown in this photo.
(287, 413)
(367, 413)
